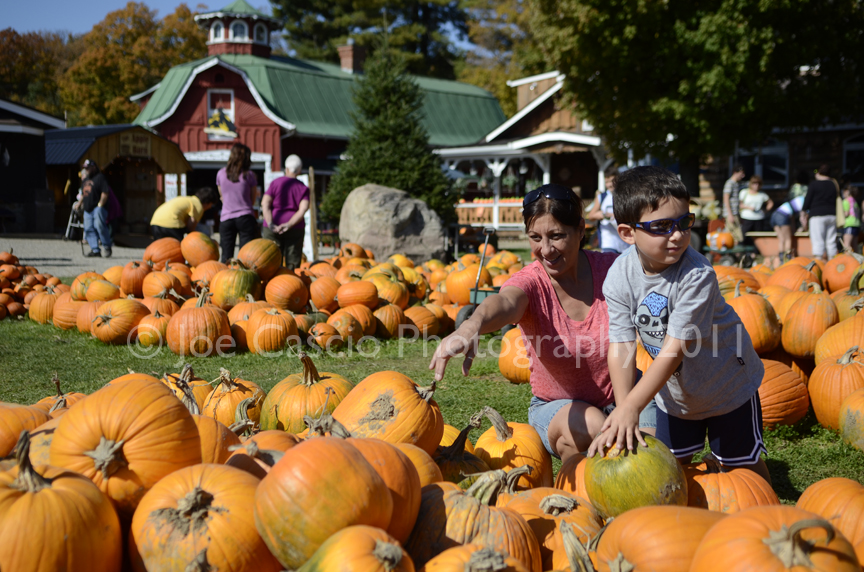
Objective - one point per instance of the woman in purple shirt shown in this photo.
(238, 190)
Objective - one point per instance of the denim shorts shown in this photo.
(779, 218)
(541, 413)
(853, 230)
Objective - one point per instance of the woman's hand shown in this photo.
(621, 427)
(462, 341)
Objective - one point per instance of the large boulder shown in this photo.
(387, 221)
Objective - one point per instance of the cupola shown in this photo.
(238, 28)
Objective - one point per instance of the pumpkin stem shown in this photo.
(846, 359)
(56, 381)
(388, 554)
(738, 288)
(310, 372)
(456, 450)
(226, 382)
(857, 305)
(712, 464)
(512, 478)
(620, 564)
(427, 392)
(242, 423)
(486, 486)
(28, 480)
(188, 398)
(59, 404)
(502, 430)
(486, 560)
(324, 425)
(176, 294)
(268, 456)
(203, 298)
(808, 285)
(577, 555)
(108, 456)
(557, 505)
(854, 286)
(788, 546)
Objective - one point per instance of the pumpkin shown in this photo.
(85, 316)
(791, 297)
(349, 327)
(363, 315)
(201, 516)
(243, 310)
(513, 362)
(287, 292)
(759, 319)
(204, 273)
(803, 367)
(65, 313)
(52, 519)
(388, 319)
(712, 488)
(262, 256)
(792, 276)
(841, 502)
(198, 248)
(769, 538)
(359, 548)
(351, 273)
(450, 517)
(401, 478)
(64, 400)
(300, 395)
(352, 250)
(473, 557)
(832, 381)
(445, 324)
(544, 509)
(232, 285)
(115, 450)
(783, 395)
(294, 523)
(40, 443)
(390, 406)
(511, 445)
(359, 292)
(451, 434)
(571, 476)
(116, 322)
(162, 303)
(839, 338)
(422, 321)
(849, 302)
(132, 278)
(455, 461)
(268, 331)
(161, 283)
(321, 269)
(806, 320)
(323, 292)
(428, 471)
(78, 290)
(17, 418)
(152, 329)
(656, 538)
(221, 404)
(161, 251)
(852, 419)
(460, 282)
(183, 276)
(261, 452)
(42, 306)
(178, 382)
(306, 321)
(201, 330)
(216, 439)
(390, 288)
(325, 337)
(620, 479)
(840, 269)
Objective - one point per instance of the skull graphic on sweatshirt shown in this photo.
(652, 317)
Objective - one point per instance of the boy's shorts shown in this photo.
(853, 230)
(735, 438)
(779, 218)
(540, 414)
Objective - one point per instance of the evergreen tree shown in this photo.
(389, 145)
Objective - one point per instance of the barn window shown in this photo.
(260, 33)
(217, 32)
(239, 30)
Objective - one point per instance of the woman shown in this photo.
(820, 213)
(607, 228)
(238, 190)
(97, 204)
(558, 303)
(782, 220)
(753, 206)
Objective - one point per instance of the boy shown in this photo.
(181, 214)
(705, 372)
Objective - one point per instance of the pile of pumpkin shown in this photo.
(20, 284)
(180, 295)
(321, 474)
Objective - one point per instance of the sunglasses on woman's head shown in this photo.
(553, 193)
(663, 226)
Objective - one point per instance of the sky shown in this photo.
(79, 18)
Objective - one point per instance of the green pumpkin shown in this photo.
(232, 285)
(622, 480)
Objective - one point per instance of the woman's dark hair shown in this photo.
(824, 170)
(568, 213)
(756, 179)
(642, 189)
(207, 195)
(239, 161)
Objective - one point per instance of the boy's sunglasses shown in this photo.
(664, 226)
(550, 193)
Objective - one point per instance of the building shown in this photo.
(26, 203)
(279, 105)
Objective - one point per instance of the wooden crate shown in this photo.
(471, 214)
(510, 215)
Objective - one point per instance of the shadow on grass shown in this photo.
(781, 481)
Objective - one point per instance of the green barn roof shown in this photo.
(314, 98)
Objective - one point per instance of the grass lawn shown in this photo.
(32, 353)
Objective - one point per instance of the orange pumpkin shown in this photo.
(513, 362)
(360, 292)
(806, 321)
(473, 557)
(510, 445)
(198, 248)
(852, 419)
(200, 330)
(571, 476)
(78, 290)
(179, 382)
(841, 502)
(17, 418)
(832, 381)
(269, 330)
(221, 404)
(388, 319)
(287, 292)
(116, 322)
(204, 273)
(455, 460)
(349, 328)
(783, 395)
(840, 269)
(216, 439)
(161, 251)
(759, 319)
(461, 282)
(726, 491)
(423, 322)
(364, 316)
(792, 276)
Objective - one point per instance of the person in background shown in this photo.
(607, 228)
(181, 214)
(820, 213)
(753, 205)
(730, 197)
(283, 206)
(852, 224)
(95, 200)
(799, 189)
(238, 189)
(783, 220)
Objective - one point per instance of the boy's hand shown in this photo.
(621, 427)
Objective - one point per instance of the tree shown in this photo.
(506, 48)
(389, 145)
(422, 30)
(686, 79)
(126, 53)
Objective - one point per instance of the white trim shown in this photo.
(33, 114)
(5, 128)
(517, 148)
(523, 112)
(218, 158)
(245, 36)
(144, 93)
(215, 61)
(577, 138)
(258, 26)
(222, 36)
(220, 14)
(533, 78)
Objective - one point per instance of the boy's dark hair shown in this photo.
(737, 168)
(207, 195)
(642, 189)
(568, 213)
(824, 170)
(612, 174)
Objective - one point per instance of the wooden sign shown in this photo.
(134, 144)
